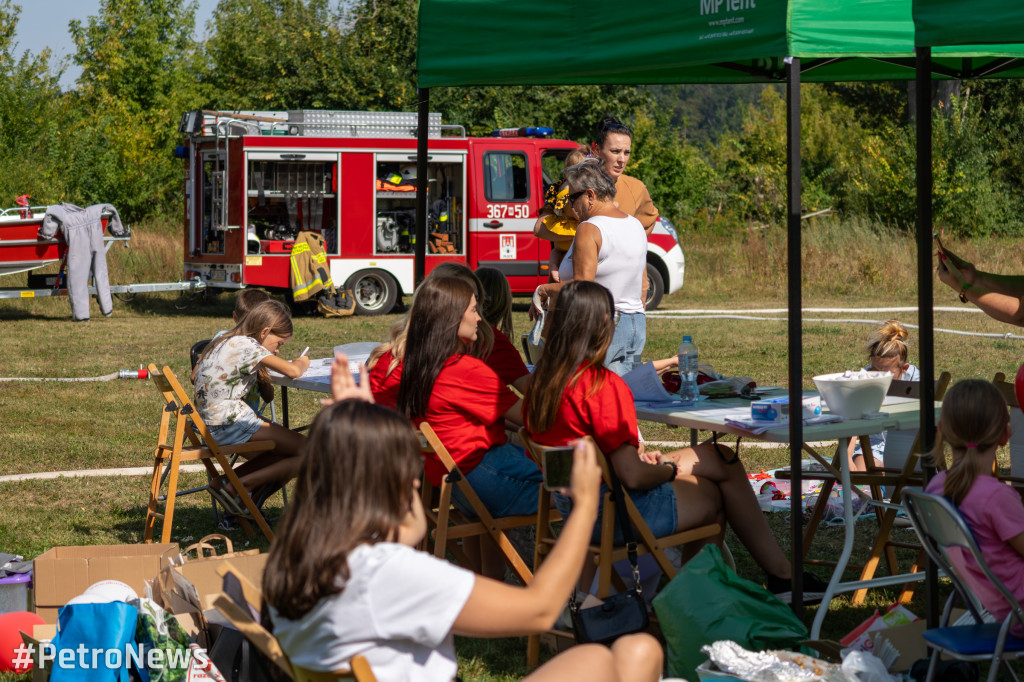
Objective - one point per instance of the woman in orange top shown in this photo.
(613, 145)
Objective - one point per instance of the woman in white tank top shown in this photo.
(611, 249)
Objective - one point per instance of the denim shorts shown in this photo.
(505, 480)
(627, 344)
(238, 432)
(657, 506)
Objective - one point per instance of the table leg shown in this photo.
(693, 437)
(848, 536)
(284, 406)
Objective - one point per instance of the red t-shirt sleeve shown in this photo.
(611, 413)
(505, 360)
(384, 385)
(477, 390)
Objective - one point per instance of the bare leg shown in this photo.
(471, 548)
(637, 658)
(492, 560)
(484, 556)
(856, 462)
(698, 503)
(738, 502)
(274, 466)
(279, 471)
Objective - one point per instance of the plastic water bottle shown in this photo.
(688, 370)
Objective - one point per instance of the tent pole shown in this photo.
(422, 134)
(796, 426)
(925, 315)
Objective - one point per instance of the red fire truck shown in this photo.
(253, 180)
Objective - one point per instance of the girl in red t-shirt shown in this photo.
(466, 404)
(490, 346)
(573, 395)
(496, 310)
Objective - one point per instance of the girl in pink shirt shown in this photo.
(974, 422)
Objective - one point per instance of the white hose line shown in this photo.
(735, 316)
(764, 311)
(89, 473)
(105, 377)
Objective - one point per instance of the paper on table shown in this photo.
(320, 367)
(646, 385)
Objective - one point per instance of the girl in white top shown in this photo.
(343, 577)
(228, 368)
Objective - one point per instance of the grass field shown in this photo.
(70, 426)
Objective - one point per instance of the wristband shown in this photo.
(963, 292)
(675, 468)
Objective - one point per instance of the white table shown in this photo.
(317, 379)
(710, 415)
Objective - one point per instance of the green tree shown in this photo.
(29, 103)
(278, 55)
(139, 73)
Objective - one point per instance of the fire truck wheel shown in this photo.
(657, 288)
(375, 292)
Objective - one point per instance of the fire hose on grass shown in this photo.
(139, 373)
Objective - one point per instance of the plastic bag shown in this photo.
(707, 602)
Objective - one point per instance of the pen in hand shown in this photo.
(303, 353)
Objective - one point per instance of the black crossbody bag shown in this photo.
(620, 614)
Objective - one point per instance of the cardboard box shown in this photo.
(40, 634)
(188, 590)
(65, 572)
(908, 639)
(203, 573)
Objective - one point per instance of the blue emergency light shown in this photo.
(527, 131)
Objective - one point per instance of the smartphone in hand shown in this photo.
(557, 467)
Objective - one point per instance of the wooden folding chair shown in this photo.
(606, 553)
(191, 441)
(268, 645)
(450, 525)
(878, 479)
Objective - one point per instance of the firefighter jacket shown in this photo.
(309, 273)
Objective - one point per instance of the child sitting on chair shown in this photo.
(344, 577)
(974, 422)
(887, 352)
(229, 366)
(246, 300)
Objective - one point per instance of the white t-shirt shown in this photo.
(621, 262)
(397, 610)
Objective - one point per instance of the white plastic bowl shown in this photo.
(851, 398)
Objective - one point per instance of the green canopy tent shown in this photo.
(571, 42)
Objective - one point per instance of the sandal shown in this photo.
(232, 503)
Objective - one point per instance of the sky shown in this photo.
(44, 23)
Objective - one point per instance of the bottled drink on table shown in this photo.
(688, 370)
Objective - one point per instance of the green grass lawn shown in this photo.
(67, 426)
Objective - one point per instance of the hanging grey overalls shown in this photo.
(83, 231)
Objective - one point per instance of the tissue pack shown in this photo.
(777, 409)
